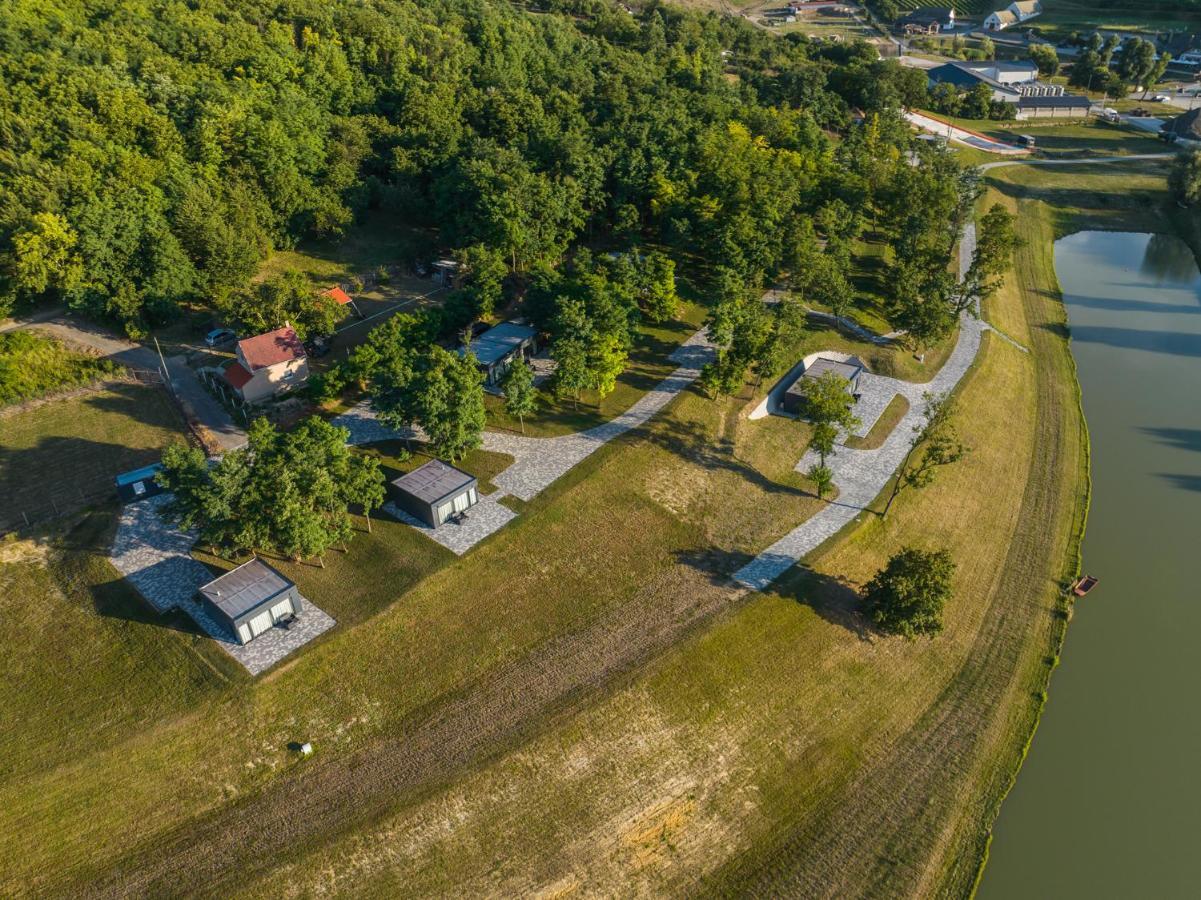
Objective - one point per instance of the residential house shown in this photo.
(251, 599)
(927, 20)
(267, 365)
(434, 493)
(1015, 13)
(497, 348)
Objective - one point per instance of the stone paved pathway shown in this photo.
(539, 462)
(485, 518)
(862, 474)
(155, 557)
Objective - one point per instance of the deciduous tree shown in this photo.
(909, 594)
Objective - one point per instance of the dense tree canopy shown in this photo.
(155, 150)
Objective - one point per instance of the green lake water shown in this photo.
(1108, 803)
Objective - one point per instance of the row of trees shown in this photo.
(1137, 64)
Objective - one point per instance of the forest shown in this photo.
(153, 152)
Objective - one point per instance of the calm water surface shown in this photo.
(1108, 803)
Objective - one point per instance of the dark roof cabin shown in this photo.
(435, 492)
(927, 20)
(251, 599)
(138, 484)
(1186, 127)
(497, 347)
(1067, 106)
(794, 397)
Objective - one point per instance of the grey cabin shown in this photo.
(435, 492)
(251, 599)
(794, 397)
(497, 347)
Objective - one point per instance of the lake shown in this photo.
(1108, 804)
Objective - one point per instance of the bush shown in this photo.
(32, 366)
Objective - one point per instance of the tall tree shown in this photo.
(521, 397)
(828, 405)
(908, 596)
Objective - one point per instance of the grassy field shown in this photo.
(1069, 139)
(63, 454)
(590, 672)
(787, 736)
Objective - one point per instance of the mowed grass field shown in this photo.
(62, 454)
(586, 702)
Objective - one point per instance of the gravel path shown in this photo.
(539, 462)
(862, 474)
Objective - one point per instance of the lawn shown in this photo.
(1075, 138)
(33, 366)
(87, 666)
(883, 427)
(63, 454)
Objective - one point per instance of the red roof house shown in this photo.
(337, 294)
(268, 364)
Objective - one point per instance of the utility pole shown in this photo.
(165, 370)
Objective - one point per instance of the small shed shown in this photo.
(446, 271)
(434, 492)
(794, 397)
(497, 348)
(251, 599)
(138, 484)
(342, 298)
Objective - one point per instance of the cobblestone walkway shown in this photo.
(862, 474)
(485, 518)
(537, 462)
(155, 557)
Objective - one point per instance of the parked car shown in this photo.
(219, 336)
(1139, 113)
(318, 346)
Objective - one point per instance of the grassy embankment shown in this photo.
(63, 453)
(32, 366)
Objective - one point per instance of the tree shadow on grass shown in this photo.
(831, 597)
(717, 565)
(695, 444)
